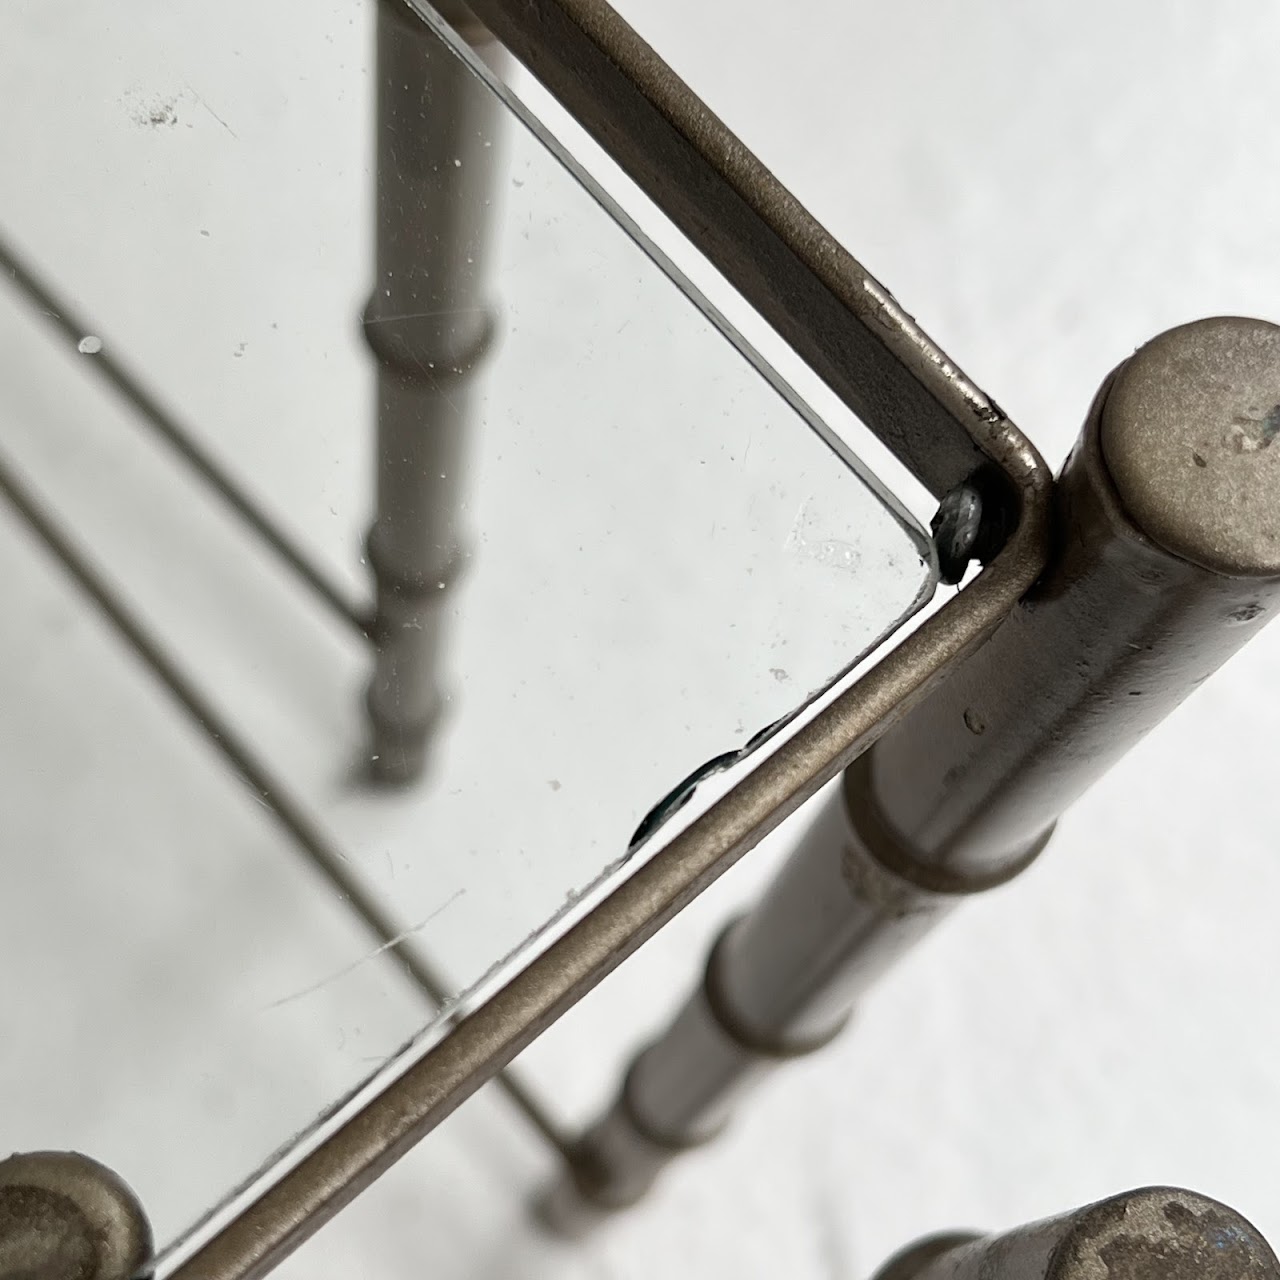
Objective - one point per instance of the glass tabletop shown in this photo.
(615, 554)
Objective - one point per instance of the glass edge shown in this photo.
(459, 47)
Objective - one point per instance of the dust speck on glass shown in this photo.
(662, 557)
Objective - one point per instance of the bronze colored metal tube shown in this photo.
(1165, 560)
(63, 1215)
(1157, 1233)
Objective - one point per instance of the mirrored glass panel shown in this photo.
(392, 541)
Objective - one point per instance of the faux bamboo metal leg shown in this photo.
(1157, 1233)
(64, 1216)
(1167, 558)
(428, 326)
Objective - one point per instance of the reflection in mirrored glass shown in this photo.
(450, 520)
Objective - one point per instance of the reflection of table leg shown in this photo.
(963, 791)
(428, 328)
(1156, 1232)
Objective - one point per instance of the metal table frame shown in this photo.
(854, 335)
(852, 332)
